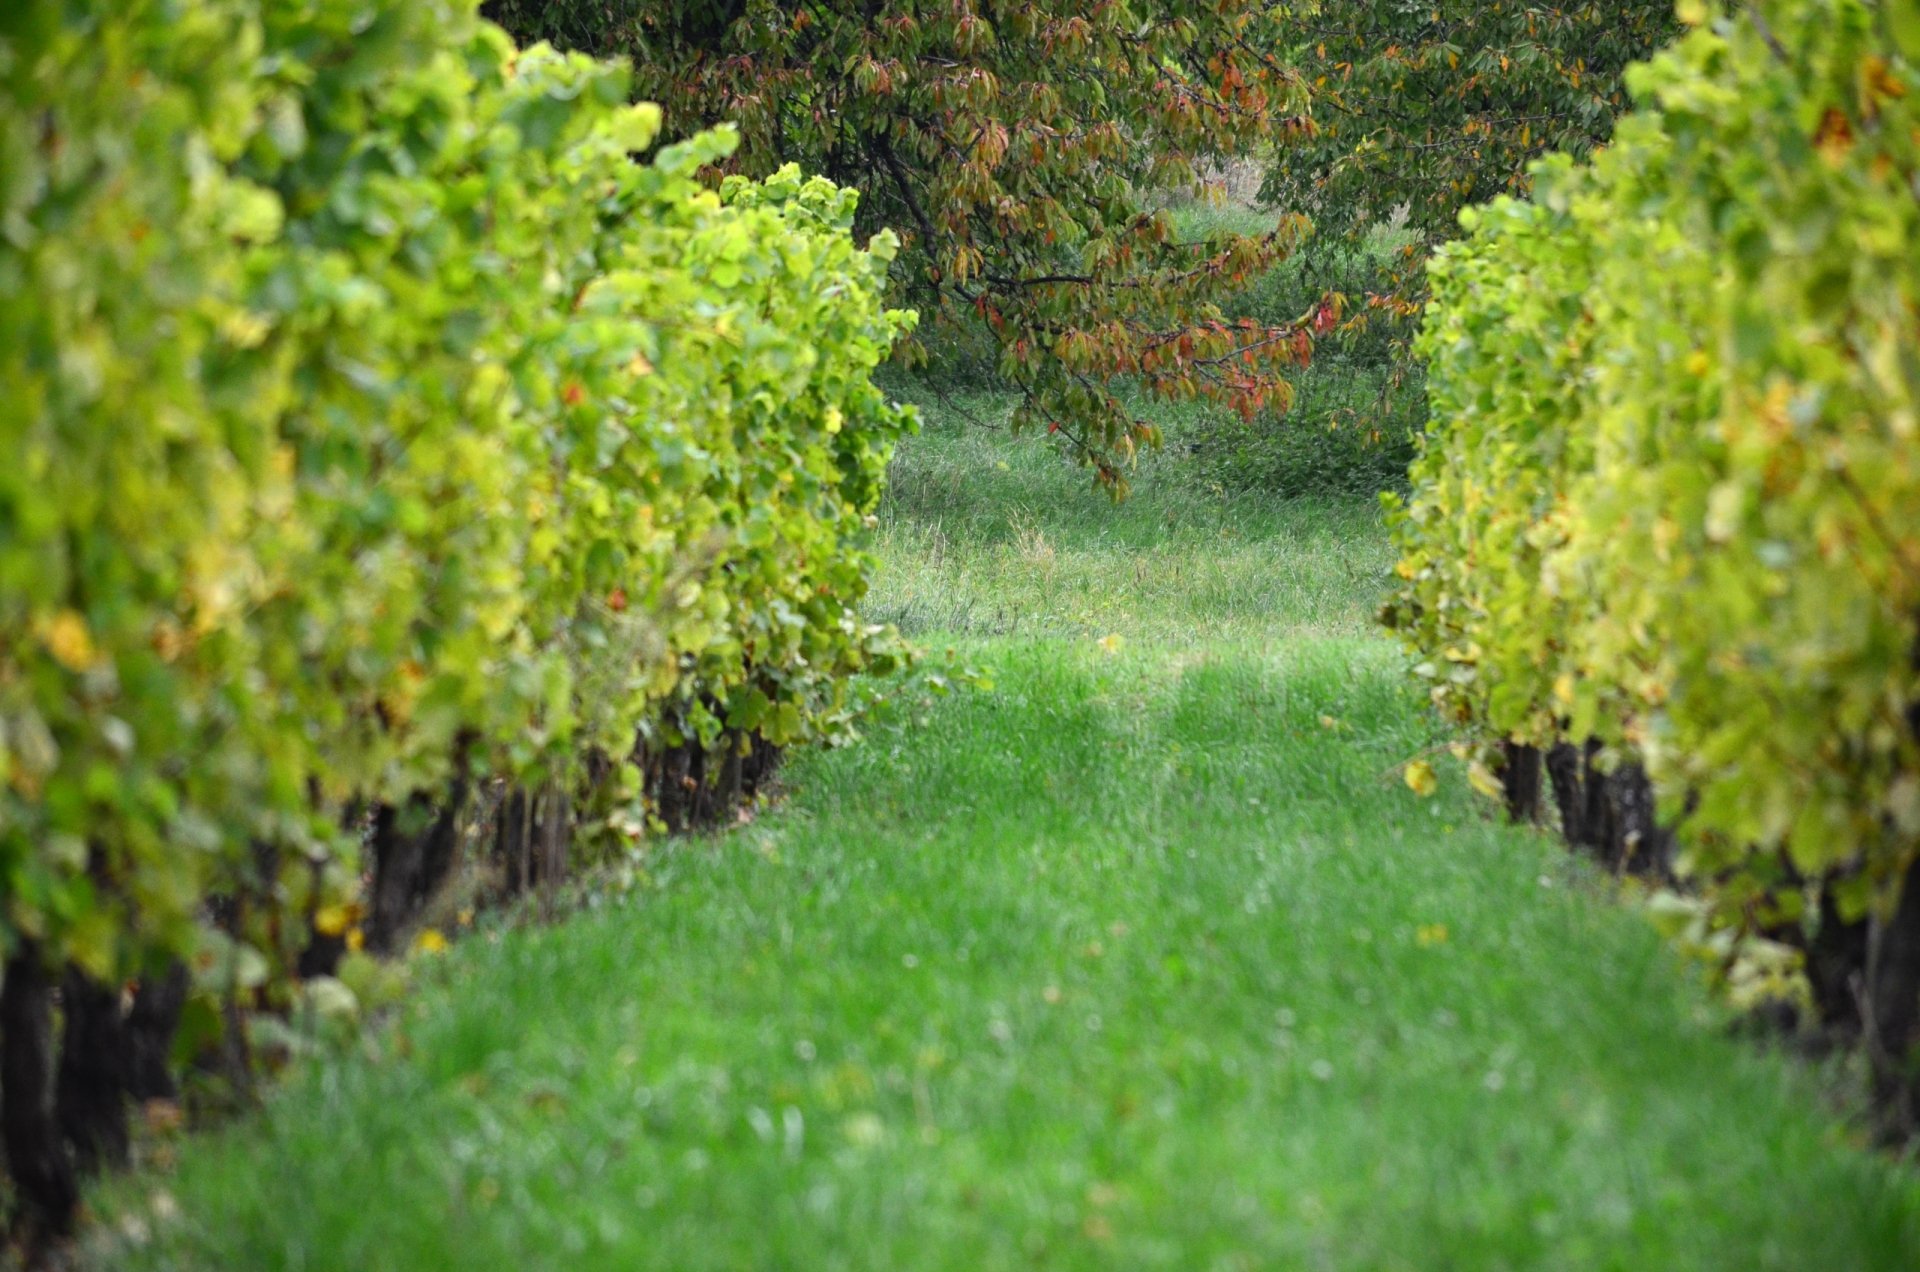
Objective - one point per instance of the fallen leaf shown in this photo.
(1420, 779)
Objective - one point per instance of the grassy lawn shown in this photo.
(1145, 959)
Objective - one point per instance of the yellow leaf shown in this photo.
(331, 920)
(1484, 780)
(1420, 779)
(69, 641)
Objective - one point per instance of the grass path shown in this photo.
(1143, 960)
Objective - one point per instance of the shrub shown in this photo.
(1350, 433)
(1667, 509)
(381, 429)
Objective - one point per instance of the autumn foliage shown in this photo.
(1421, 110)
(1018, 150)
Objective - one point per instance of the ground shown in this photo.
(1146, 958)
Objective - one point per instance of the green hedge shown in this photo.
(1668, 512)
(379, 430)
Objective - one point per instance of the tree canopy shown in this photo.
(1421, 110)
(1018, 149)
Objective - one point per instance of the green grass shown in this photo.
(1145, 960)
(985, 535)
